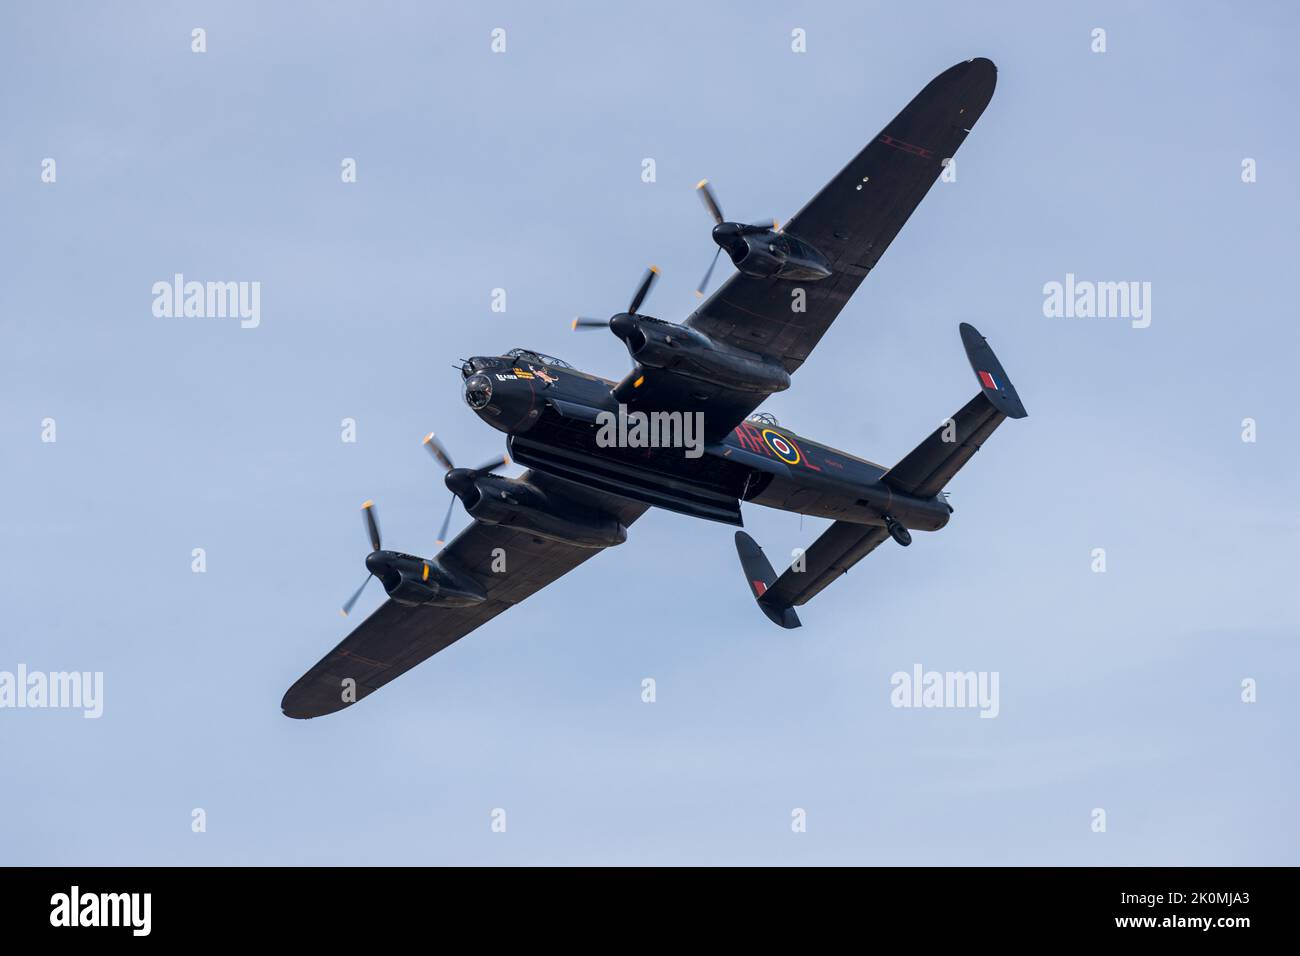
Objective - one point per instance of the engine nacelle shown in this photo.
(414, 581)
(653, 343)
(776, 255)
(517, 504)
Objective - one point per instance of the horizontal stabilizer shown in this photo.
(926, 469)
(760, 577)
(840, 546)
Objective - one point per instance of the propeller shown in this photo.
(372, 528)
(457, 478)
(723, 231)
(647, 283)
(710, 201)
(643, 290)
(704, 283)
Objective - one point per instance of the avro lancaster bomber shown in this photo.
(580, 495)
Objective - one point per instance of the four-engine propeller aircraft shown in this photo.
(581, 494)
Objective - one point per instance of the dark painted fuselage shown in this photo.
(555, 414)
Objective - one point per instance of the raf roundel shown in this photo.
(784, 448)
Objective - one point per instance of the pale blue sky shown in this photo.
(522, 170)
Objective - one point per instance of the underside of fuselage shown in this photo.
(568, 424)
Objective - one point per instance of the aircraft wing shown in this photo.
(852, 221)
(396, 637)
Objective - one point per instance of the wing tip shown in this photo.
(971, 82)
(301, 703)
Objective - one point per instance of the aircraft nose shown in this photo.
(504, 397)
(478, 391)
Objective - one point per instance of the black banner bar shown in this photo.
(217, 904)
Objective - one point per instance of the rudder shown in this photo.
(760, 576)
